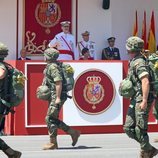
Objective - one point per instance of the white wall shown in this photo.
(93, 18)
(8, 25)
(123, 17)
(117, 21)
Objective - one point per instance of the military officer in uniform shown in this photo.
(53, 79)
(4, 110)
(65, 43)
(87, 43)
(136, 124)
(111, 52)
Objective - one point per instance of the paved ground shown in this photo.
(89, 146)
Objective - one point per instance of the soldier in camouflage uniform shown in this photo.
(136, 123)
(3, 109)
(53, 79)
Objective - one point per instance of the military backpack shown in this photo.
(13, 86)
(44, 91)
(68, 76)
(126, 89)
(153, 65)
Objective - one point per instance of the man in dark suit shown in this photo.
(23, 55)
(111, 52)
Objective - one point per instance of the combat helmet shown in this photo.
(3, 51)
(51, 54)
(134, 44)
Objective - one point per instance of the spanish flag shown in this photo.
(135, 29)
(151, 37)
(144, 31)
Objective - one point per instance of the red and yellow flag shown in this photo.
(144, 36)
(135, 29)
(151, 36)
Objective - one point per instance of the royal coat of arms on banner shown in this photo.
(48, 14)
(94, 91)
(42, 23)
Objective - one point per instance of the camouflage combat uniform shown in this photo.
(53, 74)
(3, 109)
(136, 123)
(137, 120)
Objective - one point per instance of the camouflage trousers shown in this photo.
(52, 119)
(3, 145)
(136, 124)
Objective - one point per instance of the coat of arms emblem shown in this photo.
(93, 91)
(48, 14)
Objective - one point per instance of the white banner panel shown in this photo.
(113, 115)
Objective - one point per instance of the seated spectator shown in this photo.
(23, 54)
(86, 54)
(111, 52)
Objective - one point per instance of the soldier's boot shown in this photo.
(153, 152)
(52, 145)
(143, 154)
(12, 153)
(156, 140)
(74, 135)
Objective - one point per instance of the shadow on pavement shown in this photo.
(79, 147)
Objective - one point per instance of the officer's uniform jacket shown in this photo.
(110, 54)
(65, 43)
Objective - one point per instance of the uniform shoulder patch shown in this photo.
(53, 66)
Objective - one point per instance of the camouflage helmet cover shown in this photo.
(134, 44)
(3, 50)
(51, 54)
(43, 92)
(126, 88)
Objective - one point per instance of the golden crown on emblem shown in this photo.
(48, 1)
(93, 79)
